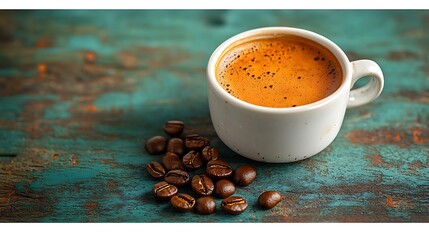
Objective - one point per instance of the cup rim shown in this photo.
(331, 46)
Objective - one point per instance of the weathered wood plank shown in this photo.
(81, 91)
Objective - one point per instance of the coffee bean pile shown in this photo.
(184, 155)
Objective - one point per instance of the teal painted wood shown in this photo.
(81, 91)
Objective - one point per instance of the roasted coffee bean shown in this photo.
(192, 160)
(224, 188)
(182, 202)
(205, 205)
(155, 169)
(196, 142)
(202, 185)
(163, 190)
(269, 199)
(210, 153)
(234, 205)
(174, 127)
(176, 145)
(171, 161)
(177, 177)
(218, 169)
(244, 175)
(156, 144)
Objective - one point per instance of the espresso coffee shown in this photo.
(182, 202)
(174, 127)
(202, 185)
(192, 160)
(156, 145)
(196, 142)
(224, 188)
(210, 153)
(269, 199)
(244, 175)
(218, 169)
(155, 169)
(171, 161)
(279, 71)
(164, 191)
(176, 145)
(177, 177)
(205, 205)
(234, 205)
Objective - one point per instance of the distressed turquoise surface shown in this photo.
(81, 92)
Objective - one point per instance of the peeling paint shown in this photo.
(402, 55)
(23, 205)
(90, 56)
(74, 159)
(91, 208)
(400, 138)
(110, 162)
(416, 165)
(376, 160)
(91, 108)
(417, 138)
(390, 202)
(415, 96)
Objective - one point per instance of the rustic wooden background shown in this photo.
(81, 91)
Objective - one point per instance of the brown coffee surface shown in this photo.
(282, 71)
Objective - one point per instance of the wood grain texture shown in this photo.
(81, 92)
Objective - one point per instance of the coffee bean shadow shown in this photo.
(192, 216)
(257, 207)
(164, 211)
(148, 198)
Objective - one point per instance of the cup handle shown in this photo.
(370, 91)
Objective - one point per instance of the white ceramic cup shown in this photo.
(287, 134)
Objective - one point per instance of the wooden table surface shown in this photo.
(81, 92)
